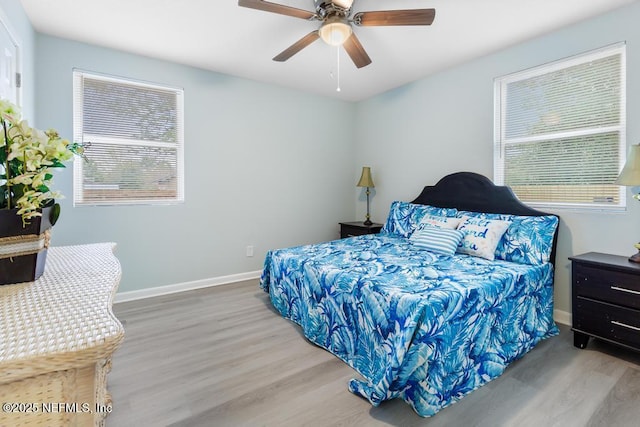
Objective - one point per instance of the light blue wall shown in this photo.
(253, 148)
(414, 135)
(265, 166)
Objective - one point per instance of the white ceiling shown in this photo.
(219, 35)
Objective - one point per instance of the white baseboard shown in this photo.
(562, 317)
(186, 286)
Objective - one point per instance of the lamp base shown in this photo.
(368, 222)
(636, 257)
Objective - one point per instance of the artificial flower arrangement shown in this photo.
(27, 157)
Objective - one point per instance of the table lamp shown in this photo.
(630, 176)
(366, 181)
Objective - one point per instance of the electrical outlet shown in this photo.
(249, 251)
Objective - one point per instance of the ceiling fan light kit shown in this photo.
(336, 29)
(345, 4)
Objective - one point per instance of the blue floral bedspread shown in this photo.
(427, 328)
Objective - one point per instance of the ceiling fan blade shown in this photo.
(297, 46)
(356, 51)
(276, 8)
(395, 17)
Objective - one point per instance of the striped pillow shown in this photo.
(438, 240)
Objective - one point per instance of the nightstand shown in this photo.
(350, 229)
(605, 299)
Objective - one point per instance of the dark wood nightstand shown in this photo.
(605, 299)
(350, 229)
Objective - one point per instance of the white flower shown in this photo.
(24, 179)
(26, 156)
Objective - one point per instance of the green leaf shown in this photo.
(55, 214)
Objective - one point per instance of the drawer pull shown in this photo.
(630, 291)
(624, 325)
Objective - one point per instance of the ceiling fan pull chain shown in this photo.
(338, 66)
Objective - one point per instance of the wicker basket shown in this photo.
(23, 249)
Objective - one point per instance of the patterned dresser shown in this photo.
(57, 335)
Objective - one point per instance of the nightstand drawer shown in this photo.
(607, 321)
(351, 229)
(607, 285)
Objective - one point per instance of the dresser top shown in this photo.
(65, 316)
(607, 260)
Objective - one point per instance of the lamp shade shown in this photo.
(365, 178)
(630, 174)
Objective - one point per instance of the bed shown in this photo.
(456, 286)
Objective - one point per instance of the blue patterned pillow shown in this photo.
(404, 217)
(528, 240)
(438, 240)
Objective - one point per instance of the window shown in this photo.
(560, 131)
(134, 133)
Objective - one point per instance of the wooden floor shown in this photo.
(222, 357)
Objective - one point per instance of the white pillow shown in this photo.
(481, 236)
(438, 240)
(439, 221)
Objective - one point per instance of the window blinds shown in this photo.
(560, 131)
(134, 133)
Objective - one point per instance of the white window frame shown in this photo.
(501, 140)
(80, 136)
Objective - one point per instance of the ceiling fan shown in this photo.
(336, 19)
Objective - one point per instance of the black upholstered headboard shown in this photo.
(470, 191)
